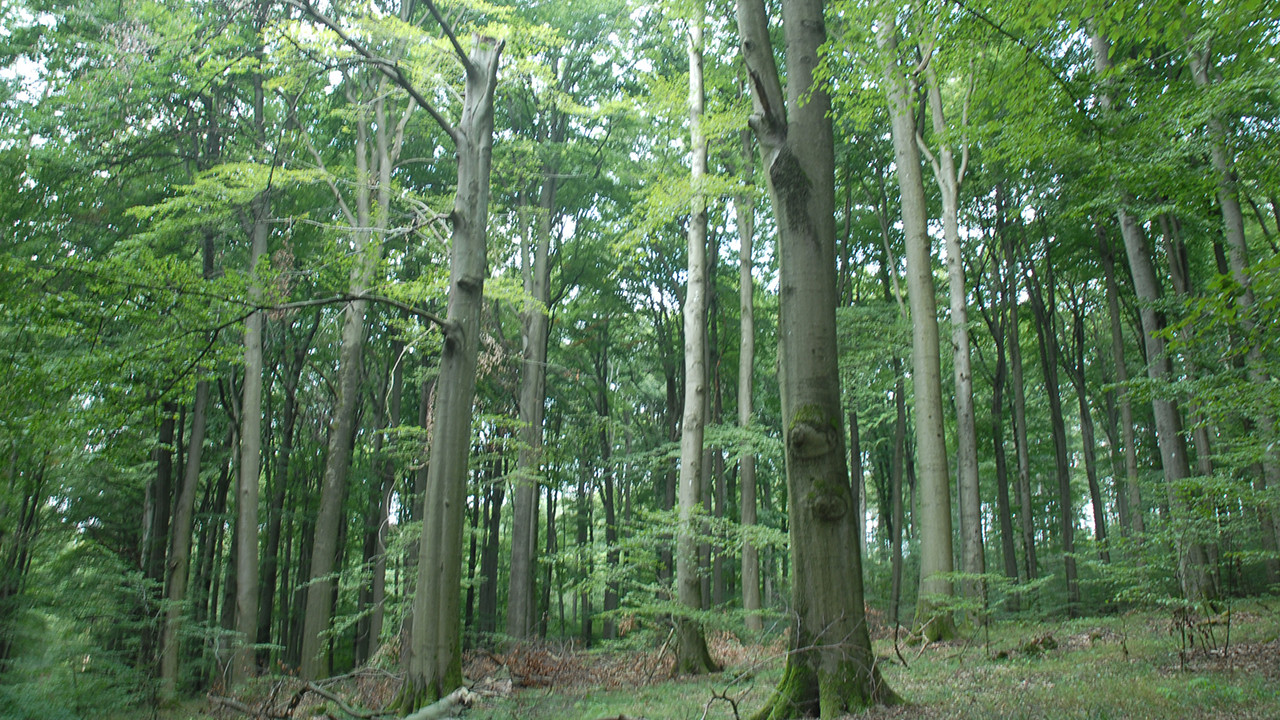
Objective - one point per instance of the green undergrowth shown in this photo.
(1136, 666)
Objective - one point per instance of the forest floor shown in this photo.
(1139, 665)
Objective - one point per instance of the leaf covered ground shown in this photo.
(1139, 665)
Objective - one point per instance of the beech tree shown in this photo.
(831, 669)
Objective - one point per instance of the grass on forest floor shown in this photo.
(1134, 666)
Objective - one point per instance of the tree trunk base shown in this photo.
(692, 656)
(844, 689)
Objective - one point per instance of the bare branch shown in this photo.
(387, 67)
(453, 39)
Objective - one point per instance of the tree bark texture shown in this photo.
(1193, 572)
(831, 669)
(745, 214)
(931, 446)
(692, 656)
(434, 662)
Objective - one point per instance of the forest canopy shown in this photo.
(367, 335)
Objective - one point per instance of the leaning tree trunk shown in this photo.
(931, 446)
(692, 656)
(1267, 473)
(434, 661)
(831, 669)
(1193, 571)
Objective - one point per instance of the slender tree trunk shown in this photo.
(745, 214)
(831, 669)
(692, 656)
(1026, 519)
(1267, 473)
(248, 479)
(1193, 571)
(1132, 490)
(997, 320)
(949, 177)
(931, 446)
(180, 547)
(1044, 306)
(1076, 370)
(536, 270)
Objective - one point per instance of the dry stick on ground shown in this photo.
(733, 702)
(661, 652)
(236, 705)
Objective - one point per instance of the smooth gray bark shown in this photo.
(434, 660)
(931, 446)
(831, 669)
(745, 214)
(692, 656)
(1193, 572)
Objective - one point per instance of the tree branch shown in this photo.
(453, 39)
(386, 67)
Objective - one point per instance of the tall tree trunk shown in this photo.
(1044, 306)
(608, 497)
(288, 432)
(831, 669)
(536, 270)
(949, 177)
(1076, 370)
(931, 446)
(996, 315)
(373, 170)
(180, 547)
(1026, 520)
(248, 479)
(692, 656)
(745, 214)
(1267, 474)
(1136, 521)
(488, 595)
(434, 662)
(1193, 571)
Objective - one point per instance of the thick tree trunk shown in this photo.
(434, 662)
(931, 446)
(692, 656)
(831, 669)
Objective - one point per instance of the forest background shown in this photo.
(501, 290)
